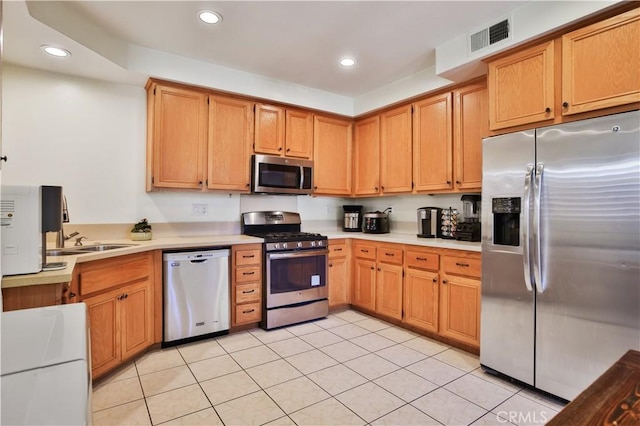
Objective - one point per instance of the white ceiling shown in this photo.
(297, 41)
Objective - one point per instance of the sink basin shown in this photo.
(62, 252)
(77, 250)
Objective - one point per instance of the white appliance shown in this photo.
(21, 223)
(46, 371)
(196, 295)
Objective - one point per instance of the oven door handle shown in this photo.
(297, 253)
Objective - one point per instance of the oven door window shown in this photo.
(297, 273)
(279, 176)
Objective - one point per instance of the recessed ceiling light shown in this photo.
(58, 52)
(209, 16)
(347, 62)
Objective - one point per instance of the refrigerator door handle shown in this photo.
(526, 247)
(537, 262)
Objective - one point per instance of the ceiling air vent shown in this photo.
(489, 36)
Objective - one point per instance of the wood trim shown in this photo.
(158, 294)
(33, 296)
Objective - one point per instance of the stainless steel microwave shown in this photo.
(279, 175)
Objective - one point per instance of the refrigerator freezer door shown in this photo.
(588, 314)
(507, 314)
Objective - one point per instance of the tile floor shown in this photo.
(346, 369)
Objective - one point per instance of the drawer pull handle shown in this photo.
(337, 249)
(248, 273)
(248, 291)
(389, 254)
(364, 251)
(444, 281)
(248, 256)
(462, 264)
(422, 259)
(249, 311)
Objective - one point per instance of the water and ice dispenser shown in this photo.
(506, 221)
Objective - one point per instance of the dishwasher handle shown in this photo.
(199, 260)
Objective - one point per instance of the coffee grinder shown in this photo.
(469, 228)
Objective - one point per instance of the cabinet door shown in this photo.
(299, 134)
(421, 299)
(364, 284)
(269, 130)
(137, 318)
(432, 143)
(396, 152)
(230, 133)
(179, 138)
(104, 330)
(471, 125)
(389, 290)
(521, 87)
(338, 281)
(601, 63)
(366, 157)
(332, 156)
(460, 309)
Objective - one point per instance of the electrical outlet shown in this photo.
(199, 209)
(390, 209)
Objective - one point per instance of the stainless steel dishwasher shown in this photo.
(196, 294)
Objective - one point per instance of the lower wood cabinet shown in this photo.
(364, 284)
(246, 284)
(339, 278)
(389, 280)
(421, 291)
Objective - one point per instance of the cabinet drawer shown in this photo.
(248, 257)
(113, 275)
(337, 250)
(364, 251)
(418, 260)
(248, 274)
(246, 293)
(461, 266)
(248, 313)
(390, 255)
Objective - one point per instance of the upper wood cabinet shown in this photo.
(283, 132)
(366, 148)
(176, 137)
(395, 150)
(229, 148)
(432, 143)
(332, 146)
(601, 64)
(470, 126)
(521, 87)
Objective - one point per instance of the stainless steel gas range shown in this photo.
(295, 268)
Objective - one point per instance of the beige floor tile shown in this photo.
(435, 371)
(321, 338)
(401, 355)
(491, 419)
(459, 359)
(176, 403)
(272, 373)
(251, 357)
(282, 421)
(448, 408)
(496, 380)
(198, 351)
(238, 341)
(426, 346)
(159, 360)
(206, 417)
(344, 351)
(311, 361)
(270, 336)
(372, 342)
(254, 409)
(132, 413)
(524, 411)
(328, 412)
(397, 334)
(127, 371)
(405, 385)
(107, 395)
(166, 380)
(214, 367)
(352, 316)
(337, 379)
(373, 324)
(296, 394)
(371, 366)
(330, 322)
(370, 401)
(406, 415)
(349, 331)
(302, 329)
(289, 347)
(480, 392)
(231, 386)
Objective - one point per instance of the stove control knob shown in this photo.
(313, 243)
(276, 246)
(320, 243)
(284, 245)
(299, 244)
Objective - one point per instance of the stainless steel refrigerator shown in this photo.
(561, 251)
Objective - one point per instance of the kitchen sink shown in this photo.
(77, 250)
(63, 252)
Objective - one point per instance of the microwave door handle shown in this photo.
(526, 246)
(301, 177)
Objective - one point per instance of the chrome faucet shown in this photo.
(62, 238)
(79, 241)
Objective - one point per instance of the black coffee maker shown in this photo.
(430, 222)
(469, 228)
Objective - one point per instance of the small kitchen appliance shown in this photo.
(469, 228)
(279, 175)
(429, 222)
(352, 218)
(449, 223)
(376, 222)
